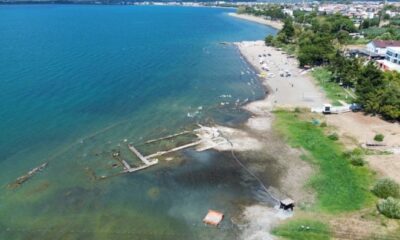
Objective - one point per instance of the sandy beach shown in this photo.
(275, 24)
(294, 89)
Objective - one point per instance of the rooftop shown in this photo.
(395, 49)
(386, 43)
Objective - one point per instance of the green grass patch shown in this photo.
(333, 91)
(339, 186)
(303, 229)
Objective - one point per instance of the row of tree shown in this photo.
(273, 11)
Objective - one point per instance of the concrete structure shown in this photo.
(388, 66)
(391, 61)
(213, 218)
(380, 46)
(393, 54)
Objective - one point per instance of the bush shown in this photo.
(384, 188)
(269, 40)
(389, 207)
(323, 124)
(333, 137)
(379, 137)
(355, 157)
(357, 161)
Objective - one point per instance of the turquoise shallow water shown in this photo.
(78, 80)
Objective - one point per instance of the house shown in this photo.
(379, 46)
(391, 61)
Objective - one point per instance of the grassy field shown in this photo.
(340, 187)
(333, 91)
(303, 229)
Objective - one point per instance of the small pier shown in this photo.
(167, 137)
(138, 154)
(207, 137)
(26, 177)
(147, 162)
(160, 153)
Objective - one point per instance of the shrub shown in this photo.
(384, 188)
(323, 124)
(269, 40)
(379, 137)
(333, 137)
(357, 161)
(355, 157)
(297, 110)
(389, 207)
(357, 151)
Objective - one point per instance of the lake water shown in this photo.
(79, 82)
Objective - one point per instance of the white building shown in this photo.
(392, 60)
(379, 46)
(393, 54)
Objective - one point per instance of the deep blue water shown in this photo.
(76, 81)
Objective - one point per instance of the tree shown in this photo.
(340, 22)
(315, 48)
(367, 23)
(269, 40)
(344, 70)
(390, 108)
(369, 88)
(343, 36)
(288, 28)
(379, 92)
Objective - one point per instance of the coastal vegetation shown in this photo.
(340, 186)
(341, 181)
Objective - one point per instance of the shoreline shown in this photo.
(288, 92)
(278, 25)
